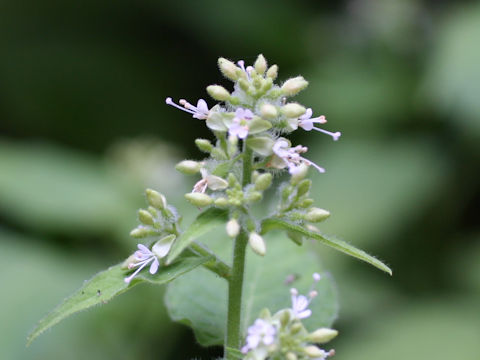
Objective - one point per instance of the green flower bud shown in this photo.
(284, 317)
(296, 328)
(218, 92)
(314, 352)
(199, 199)
(260, 65)
(153, 211)
(263, 182)
(228, 69)
(145, 217)
(244, 84)
(322, 335)
(291, 356)
(254, 196)
(188, 167)
(300, 174)
(221, 201)
(316, 215)
(303, 187)
(306, 203)
(141, 232)
(233, 228)
(293, 110)
(128, 261)
(156, 199)
(265, 314)
(268, 111)
(294, 85)
(257, 243)
(204, 145)
(272, 72)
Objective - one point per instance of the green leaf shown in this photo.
(199, 299)
(337, 244)
(105, 285)
(205, 222)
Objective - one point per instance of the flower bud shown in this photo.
(254, 196)
(291, 356)
(156, 199)
(141, 232)
(145, 217)
(293, 110)
(303, 187)
(316, 215)
(285, 317)
(268, 111)
(228, 69)
(128, 261)
(260, 65)
(322, 335)
(199, 199)
(233, 228)
(294, 85)
(296, 328)
(221, 201)
(263, 182)
(218, 92)
(188, 167)
(257, 243)
(314, 352)
(306, 203)
(204, 145)
(300, 174)
(153, 211)
(272, 72)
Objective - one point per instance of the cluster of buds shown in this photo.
(283, 335)
(158, 222)
(253, 118)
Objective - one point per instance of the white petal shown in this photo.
(154, 266)
(216, 182)
(162, 246)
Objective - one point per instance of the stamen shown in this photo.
(335, 135)
(169, 101)
(141, 266)
(308, 162)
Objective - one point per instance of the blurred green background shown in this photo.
(84, 129)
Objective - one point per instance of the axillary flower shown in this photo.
(259, 334)
(290, 157)
(209, 181)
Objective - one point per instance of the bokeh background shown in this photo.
(84, 129)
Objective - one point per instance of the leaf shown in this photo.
(199, 299)
(205, 222)
(105, 285)
(337, 244)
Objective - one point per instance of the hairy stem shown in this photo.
(235, 282)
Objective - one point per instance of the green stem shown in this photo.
(216, 265)
(235, 282)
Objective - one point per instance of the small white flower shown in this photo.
(259, 334)
(141, 258)
(211, 181)
(306, 122)
(240, 124)
(291, 156)
(199, 112)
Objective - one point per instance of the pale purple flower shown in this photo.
(291, 156)
(300, 302)
(240, 124)
(199, 112)
(260, 333)
(141, 258)
(306, 122)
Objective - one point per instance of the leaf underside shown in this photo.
(205, 222)
(105, 285)
(334, 243)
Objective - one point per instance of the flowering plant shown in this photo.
(250, 125)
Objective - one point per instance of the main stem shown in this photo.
(235, 282)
